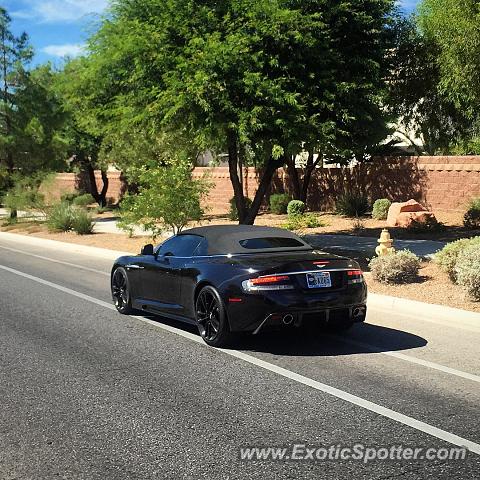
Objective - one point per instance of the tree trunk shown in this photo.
(234, 178)
(294, 177)
(100, 197)
(307, 176)
(265, 182)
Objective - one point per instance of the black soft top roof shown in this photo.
(225, 239)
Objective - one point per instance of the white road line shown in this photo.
(322, 387)
(408, 358)
(107, 274)
(372, 348)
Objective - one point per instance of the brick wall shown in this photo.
(441, 183)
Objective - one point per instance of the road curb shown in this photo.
(404, 306)
(384, 303)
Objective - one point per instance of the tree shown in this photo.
(260, 79)
(453, 27)
(15, 53)
(168, 197)
(82, 132)
(421, 93)
(415, 96)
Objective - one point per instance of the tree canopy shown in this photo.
(258, 79)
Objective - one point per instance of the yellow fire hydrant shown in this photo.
(385, 244)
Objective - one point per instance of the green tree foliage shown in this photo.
(454, 27)
(259, 79)
(435, 81)
(83, 130)
(168, 197)
(30, 112)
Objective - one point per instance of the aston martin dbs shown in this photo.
(228, 279)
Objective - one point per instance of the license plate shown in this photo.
(319, 280)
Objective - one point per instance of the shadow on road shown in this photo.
(362, 338)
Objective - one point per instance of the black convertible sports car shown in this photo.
(234, 278)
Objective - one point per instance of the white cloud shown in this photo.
(68, 49)
(51, 11)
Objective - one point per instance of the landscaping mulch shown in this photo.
(433, 286)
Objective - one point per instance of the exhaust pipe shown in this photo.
(358, 312)
(287, 319)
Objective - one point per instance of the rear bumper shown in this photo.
(256, 311)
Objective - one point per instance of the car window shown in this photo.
(180, 245)
(270, 242)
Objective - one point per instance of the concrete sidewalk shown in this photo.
(422, 248)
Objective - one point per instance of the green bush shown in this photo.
(82, 222)
(398, 267)
(60, 218)
(352, 205)
(300, 222)
(279, 203)
(467, 270)
(471, 218)
(380, 208)
(446, 258)
(83, 200)
(429, 226)
(69, 197)
(233, 213)
(296, 207)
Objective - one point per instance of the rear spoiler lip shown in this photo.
(344, 269)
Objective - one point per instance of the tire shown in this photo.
(121, 291)
(212, 318)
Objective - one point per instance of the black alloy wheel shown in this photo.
(211, 318)
(120, 292)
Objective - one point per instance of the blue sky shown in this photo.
(60, 27)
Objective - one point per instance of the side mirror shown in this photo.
(147, 250)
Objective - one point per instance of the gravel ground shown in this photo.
(433, 286)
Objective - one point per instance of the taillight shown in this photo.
(355, 276)
(268, 282)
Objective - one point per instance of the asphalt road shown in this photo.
(88, 393)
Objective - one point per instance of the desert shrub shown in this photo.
(380, 208)
(168, 196)
(398, 267)
(467, 270)
(25, 194)
(296, 207)
(471, 218)
(447, 257)
(69, 197)
(431, 225)
(303, 221)
(82, 222)
(352, 204)
(358, 225)
(233, 212)
(279, 203)
(60, 218)
(83, 200)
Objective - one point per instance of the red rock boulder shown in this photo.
(406, 213)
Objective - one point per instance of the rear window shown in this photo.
(270, 242)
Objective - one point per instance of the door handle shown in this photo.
(134, 267)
